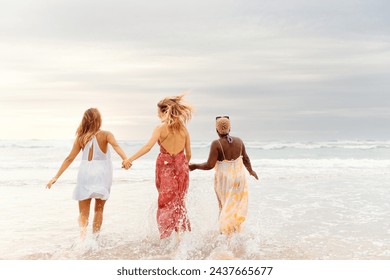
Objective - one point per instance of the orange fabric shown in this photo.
(231, 187)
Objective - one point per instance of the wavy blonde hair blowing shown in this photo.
(176, 112)
(90, 124)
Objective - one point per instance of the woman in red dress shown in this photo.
(172, 173)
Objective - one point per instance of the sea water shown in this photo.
(314, 200)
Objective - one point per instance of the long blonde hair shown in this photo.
(90, 124)
(175, 112)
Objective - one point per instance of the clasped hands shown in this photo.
(126, 164)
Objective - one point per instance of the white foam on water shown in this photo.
(328, 205)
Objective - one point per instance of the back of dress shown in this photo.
(231, 187)
(94, 177)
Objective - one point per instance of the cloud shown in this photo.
(281, 69)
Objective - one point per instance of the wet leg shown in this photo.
(84, 216)
(98, 217)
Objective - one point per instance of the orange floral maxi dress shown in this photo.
(172, 180)
(231, 188)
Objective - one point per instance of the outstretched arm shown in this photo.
(68, 160)
(111, 139)
(211, 161)
(247, 162)
(146, 148)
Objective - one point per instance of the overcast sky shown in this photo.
(281, 69)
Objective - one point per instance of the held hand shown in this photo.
(126, 164)
(51, 182)
(253, 173)
(192, 166)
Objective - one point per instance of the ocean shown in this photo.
(314, 201)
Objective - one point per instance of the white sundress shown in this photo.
(94, 178)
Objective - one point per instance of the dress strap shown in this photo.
(163, 139)
(222, 150)
(88, 145)
(93, 141)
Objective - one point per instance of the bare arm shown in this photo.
(146, 148)
(247, 162)
(68, 160)
(211, 161)
(111, 139)
(188, 146)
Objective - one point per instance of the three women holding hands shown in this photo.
(227, 155)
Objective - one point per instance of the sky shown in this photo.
(283, 70)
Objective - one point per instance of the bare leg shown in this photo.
(84, 216)
(98, 217)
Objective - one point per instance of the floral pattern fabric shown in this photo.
(172, 180)
(231, 187)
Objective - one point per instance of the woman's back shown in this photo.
(101, 140)
(229, 151)
(173, 141)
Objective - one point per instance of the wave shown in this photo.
(26, 147)
(34, 144)
(359, 145)
(259, 145)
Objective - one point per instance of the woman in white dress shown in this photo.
(94, 177)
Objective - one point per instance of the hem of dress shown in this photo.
(92, 195)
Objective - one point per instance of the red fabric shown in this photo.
(172, 179)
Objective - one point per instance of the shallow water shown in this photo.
(320, 203)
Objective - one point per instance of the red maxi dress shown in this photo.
(172, 180)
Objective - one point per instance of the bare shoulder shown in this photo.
(185, 130)
(214, 144)
(159, 131)
(105, 134)
(160, 126)
(76, 143)
(238, 140)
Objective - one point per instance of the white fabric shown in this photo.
(94, 178)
